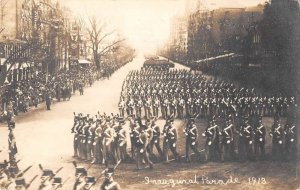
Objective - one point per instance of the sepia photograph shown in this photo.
(149, 94)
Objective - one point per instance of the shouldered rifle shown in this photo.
(57, 171)
(23, 172)
(59, 186)
(30, 182)
(115, 167)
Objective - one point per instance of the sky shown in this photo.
(144, 23)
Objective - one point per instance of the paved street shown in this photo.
(45, 136)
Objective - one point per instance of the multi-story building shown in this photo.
(178, 39)
(34, 32)
(217, 32)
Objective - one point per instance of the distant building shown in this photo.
(217, 32)
(178, 38)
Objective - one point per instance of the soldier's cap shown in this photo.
(121, 120)
(57, 180)
(90, 179)
(3, 165)
(110, 170)
(48, 173)
(12, 124)
(13, 170)
(20, 182)
(81, 170)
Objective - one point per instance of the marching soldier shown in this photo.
(75, 131)
(122, 140)
(122, 107)
(109, 183)
(141, 147)
(259, 139)
(80, 174)
(90, 139)
(212, 141)
(170, 140)
(147, 108)
(81, 137)
(164, 107)
(98, 142)
(191, 133)
(134, 135)
(46, 180)
(290, 132)
(227, 143)
(277, 134)
(84, 138)
(155, 139)
(180, 107)
(109, 140)
(245, 141)
(155, 106)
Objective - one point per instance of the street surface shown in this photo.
(44, 137)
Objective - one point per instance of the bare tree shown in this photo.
(97, 36)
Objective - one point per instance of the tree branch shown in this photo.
(107, 47)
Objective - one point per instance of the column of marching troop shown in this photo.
(13, 178)
(180, 93)
(234, 115)
(107, 139)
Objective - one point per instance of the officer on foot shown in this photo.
(12, 145)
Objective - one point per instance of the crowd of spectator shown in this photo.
(18, 97)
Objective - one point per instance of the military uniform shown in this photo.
(155, 141)
(80, 174)
(98, 143)
(291, 140)
(259, 139)
(122, 140)
(277, 134)
(141, 147)
(12, 145)
(212, 142)
(46, 180)
(191, 133)
(170, 141)
(245, 141)
(109, 183)
(227, 143)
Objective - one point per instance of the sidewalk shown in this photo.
(42, 106)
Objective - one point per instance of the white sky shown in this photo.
(145, 23)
